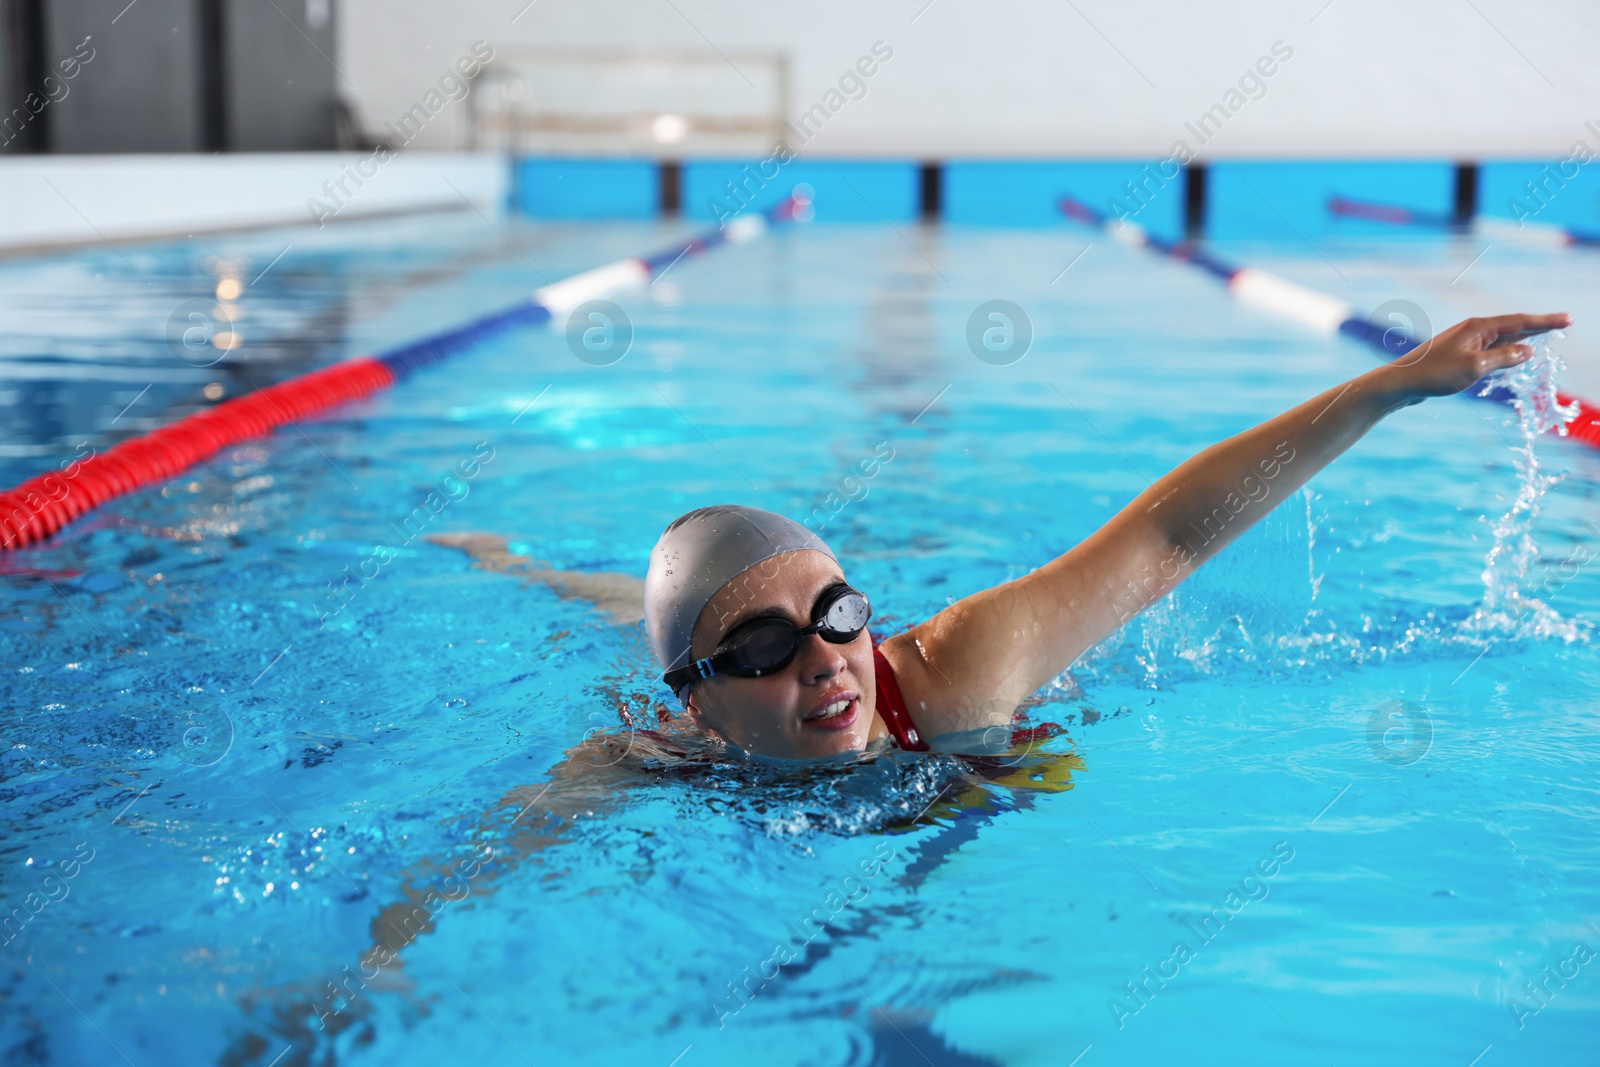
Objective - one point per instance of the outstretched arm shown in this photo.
(620, 596)
(972, 663)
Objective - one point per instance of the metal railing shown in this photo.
(630, 103)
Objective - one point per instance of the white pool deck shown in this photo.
(53, 201)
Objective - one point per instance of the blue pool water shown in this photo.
(221, 804)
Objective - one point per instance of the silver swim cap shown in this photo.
(697, 555)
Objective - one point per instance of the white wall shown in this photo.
(1448, 78)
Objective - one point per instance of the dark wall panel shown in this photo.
(279, 71)
(24, 122)
(142, 90)
(169, 75)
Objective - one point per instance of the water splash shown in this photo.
(1242, 608)
(1506, 610)
(1311, 547)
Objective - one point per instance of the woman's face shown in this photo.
(783, 714)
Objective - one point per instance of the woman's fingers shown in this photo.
(1493, 329)
(1504, 324)
(1498, 359)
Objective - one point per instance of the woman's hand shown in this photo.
(1454, 359)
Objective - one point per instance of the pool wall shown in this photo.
(1222, 199)
(61, 201)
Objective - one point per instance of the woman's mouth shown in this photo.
(835, 715)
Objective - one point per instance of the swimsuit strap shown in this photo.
(892, 705)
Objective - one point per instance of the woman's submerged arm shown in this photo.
(620, 596)
(970, 665)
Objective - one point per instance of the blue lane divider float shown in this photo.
(559, 298)
(1323, 313)
(1537, 233)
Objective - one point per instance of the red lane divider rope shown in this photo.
(42, 505)
(1585, 425)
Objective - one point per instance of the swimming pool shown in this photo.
(264, 776)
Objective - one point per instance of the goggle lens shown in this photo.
(769, 644)
(847, 615)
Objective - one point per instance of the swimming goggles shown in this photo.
(768, 644)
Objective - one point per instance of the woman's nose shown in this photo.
(820, 660)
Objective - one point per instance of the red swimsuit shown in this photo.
(892, 705)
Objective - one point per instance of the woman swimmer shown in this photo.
(766, 645)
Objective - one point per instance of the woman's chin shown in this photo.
(827, 746)
(836, 743)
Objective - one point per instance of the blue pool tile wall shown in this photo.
(842, 190)
(1288, 201)
(1002, 193)
(1559, 192)
(1249, 200)
(586, 188)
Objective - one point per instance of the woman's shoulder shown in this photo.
(939, 697)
